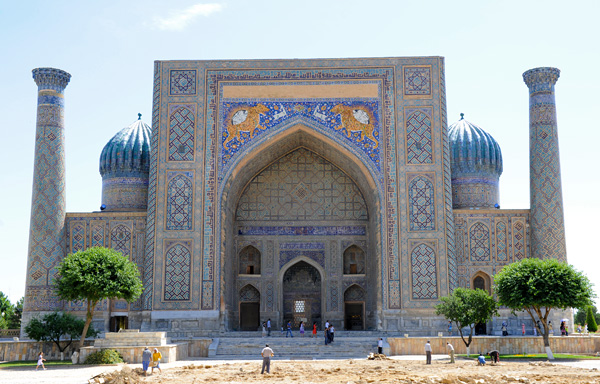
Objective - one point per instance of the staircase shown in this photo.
(248, 345)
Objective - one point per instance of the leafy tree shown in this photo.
(57, 327)
(467, 307)
(581, 315)
(591, 321)
(14, 319)
(96, 274)
(6, 311)
(537, 286)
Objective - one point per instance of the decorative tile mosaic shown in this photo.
(182, 82)
(178, 269)
(301, 246)
(355, 230)
(479, 242)
(180, 196)
(287, 256)
(182, 128)
(417, 81)
(249, 294)
(419, 140)
(421, 208)
(424, 274)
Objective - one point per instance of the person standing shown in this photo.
(326, 333)
(146, 358)
(562, 328)
(314, 331)
(550, 329)
(523, 328)
(302, 328)
(266, 354)
(269, 327)
(504, 329)
(449, 327)
(380, 346)
(264, 329)
(40, 361)
(428, 353)
(156, 356)
(289, 329)
(332, 332)
(450, 352)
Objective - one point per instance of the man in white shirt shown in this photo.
(266, 354)
(428, 352)
(450, 352)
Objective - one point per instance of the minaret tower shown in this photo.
(46, 231)
(546, 219)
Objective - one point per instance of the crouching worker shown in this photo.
(495, 355)
(481, 359)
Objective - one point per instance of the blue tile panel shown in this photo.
(358, 230)
(547, 217)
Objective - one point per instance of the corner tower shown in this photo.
(46, 232)
(547, 219)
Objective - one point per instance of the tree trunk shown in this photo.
(62, 356)
(547, 346)
(88, 320)
(468, 351)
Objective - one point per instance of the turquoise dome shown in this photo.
(473, 150)
(476, 166)
(128, 152)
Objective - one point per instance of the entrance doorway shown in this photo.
(249, 308)
(118, 322)
(302, 295)
(354, 308)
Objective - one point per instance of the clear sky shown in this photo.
(109, 48)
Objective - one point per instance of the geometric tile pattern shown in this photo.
(97, 236)
(180, 196)
(287, 256)
(301, 186)
(181, 132)
(419, 144)
(120, 239)
(501, 241)
(178, 267)
(182, 82)
(547, 218)
(270, 291)
(249, 294)
(479, 240)
(77, 237)
(519, 248)
(421, 197)
(417, 81)
(355, 293)
(424, 276)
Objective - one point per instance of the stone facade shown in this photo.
(296, 190)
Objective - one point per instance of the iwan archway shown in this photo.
(300, 201)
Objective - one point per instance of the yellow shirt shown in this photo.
(156, 356)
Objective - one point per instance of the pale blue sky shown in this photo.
(109, 48)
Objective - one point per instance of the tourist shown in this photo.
(380, 346)
(156, 356)
(550, 330)
(504, 329)
(481, 359)
(585, 329)
(326, 324)
(266, 354)
(314, 332)
(146, 358)
(326, 333)
(495, 355)
(331, 332)
(523, 328)
(566, 330)
(40, 361)
(289, 329)
(450, 352)
(562, 328)
(449, 328)
(302, 328)
(539, 327)
(269, 327)
(427, 353)
(264, 329)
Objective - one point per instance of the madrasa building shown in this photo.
(296, 190)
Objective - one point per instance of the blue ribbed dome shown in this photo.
(128, 152)
(473, 150)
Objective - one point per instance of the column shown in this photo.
(547, 224)
(46, 231)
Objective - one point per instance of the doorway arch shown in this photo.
(249, 299)
(301, 292)
(354, 308)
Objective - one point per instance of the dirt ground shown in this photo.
(366, 371)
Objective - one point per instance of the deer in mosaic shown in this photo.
(244, 120)
(356, 119)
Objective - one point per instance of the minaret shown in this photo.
(546, 219)
(46, 231)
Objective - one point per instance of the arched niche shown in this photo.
(249, 307)
(354, 308)
(482, 280)
(249, 261)
(354, 261)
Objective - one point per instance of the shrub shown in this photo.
(104, 356)
(591, 321)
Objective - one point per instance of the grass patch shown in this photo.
(32, 363)
(538, 356)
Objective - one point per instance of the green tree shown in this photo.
(467, 307)
(581, 315)
(6, 311)
(96, 274)
(14, 319)
(58, 327)
(591, 320)
(537, 286)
